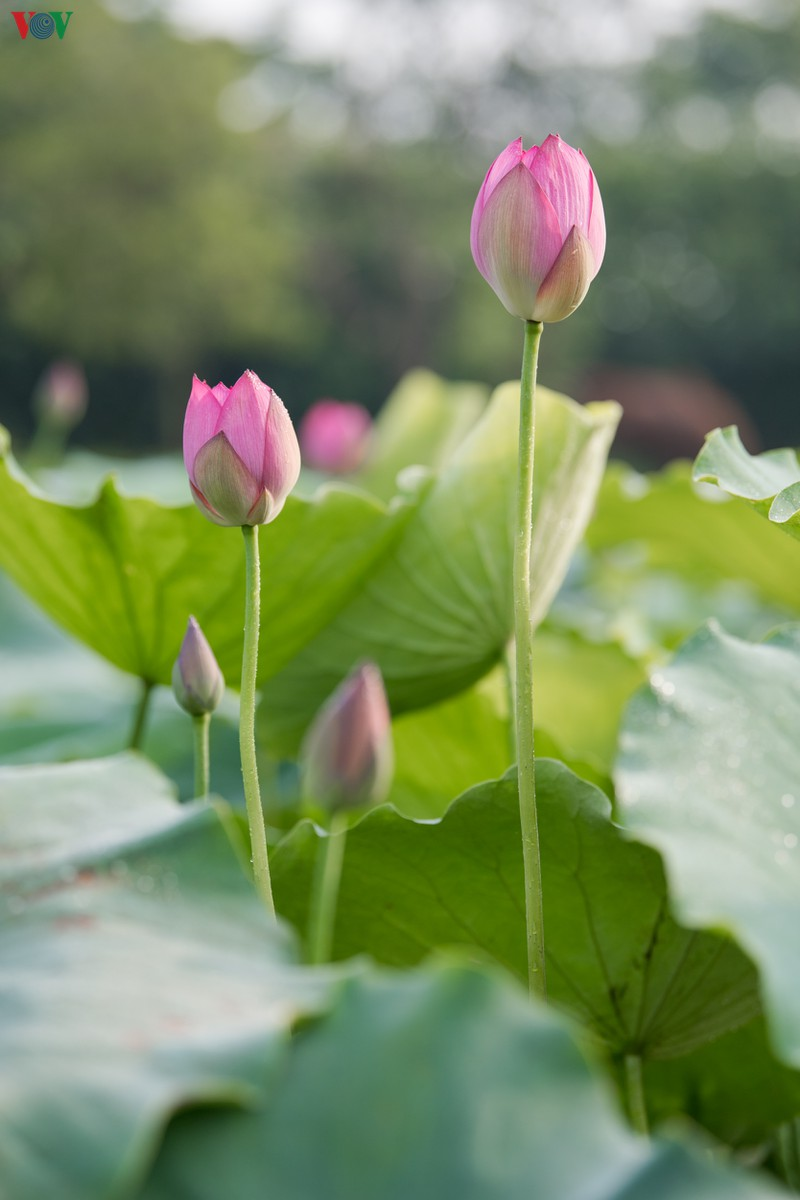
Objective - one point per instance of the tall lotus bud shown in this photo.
(334, 436)
(61, 394)
(240, 451)
(347, 754)
(197, 681)
(538, 229)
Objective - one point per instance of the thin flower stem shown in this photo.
(326, 885)
(202, 724)
(524, 699)
(141, 713)
(787, 1153)
(247, 718)
(635, 1093)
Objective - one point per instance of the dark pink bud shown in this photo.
(347, 754)
(538, 229)
(334, 436)
(197, 681)
(240, 451)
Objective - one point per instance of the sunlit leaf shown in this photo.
(770, 481)
(437, 613)
(708, 774)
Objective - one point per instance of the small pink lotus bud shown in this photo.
(61, 394)
(347, 754)
(197, 681)
(538, 229)
(334, 436)
(240, 451)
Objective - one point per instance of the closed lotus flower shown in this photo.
(197, 681)
(538, 229)
(334, 436)
(347, 754)
(240, 451)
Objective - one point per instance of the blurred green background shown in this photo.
(198, 188)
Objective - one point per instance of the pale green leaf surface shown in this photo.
(439, 1084)
(437, 613)
(784, 508)
(442, 750)
(140, 971)
(616, 959)
(769, 480)
(708, 774)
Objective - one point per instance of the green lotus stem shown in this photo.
(787, 1153)
(326, 885)
(47, 446)
(247, 718)
(636, 1103)
(524, 698)
(141, 713)
(202, 725)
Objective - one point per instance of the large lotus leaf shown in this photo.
(437, 613)
(421, 424)
(616, 958)
(140, 971)
(438, 1084)
(676, 526)
(770, 481)
(734, 1087)
(123, 574)
(708, 773)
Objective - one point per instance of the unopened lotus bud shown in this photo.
(335, 436)
(347, 754)
(60, 398)
(240, 451)
(197, 681)
(538, 229)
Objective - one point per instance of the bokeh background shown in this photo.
(198, 187)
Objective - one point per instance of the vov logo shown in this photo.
(42, 25)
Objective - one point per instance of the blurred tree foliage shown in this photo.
(143, 235)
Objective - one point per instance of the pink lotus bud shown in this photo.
(347, 754)
(334, 436)
(240, 451)
(61, 394)
(538, 229)
(197, 681)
